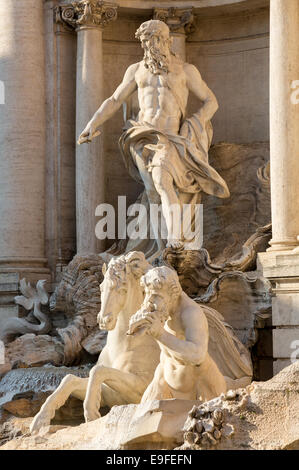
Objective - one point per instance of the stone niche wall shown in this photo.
(232, 54)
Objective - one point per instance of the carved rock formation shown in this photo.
(23, 391)
(78, 298)
(260, 417)
(228, 223)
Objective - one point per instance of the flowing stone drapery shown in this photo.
(281, 263)
(180, 22)
(88, 17)
(22, 139)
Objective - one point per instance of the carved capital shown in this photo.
(86, 13)
(179, 20)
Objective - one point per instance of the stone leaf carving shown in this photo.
(86, 13)
(177, 19)
(31, 299)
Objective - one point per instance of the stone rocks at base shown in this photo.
(31, 350)
(264, 416)
(23, 392)
(13, 428)
(151, 425)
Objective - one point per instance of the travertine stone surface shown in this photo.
(22, 136)
(285, 311)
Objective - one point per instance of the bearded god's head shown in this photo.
(155, 40)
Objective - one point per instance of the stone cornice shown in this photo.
(179, 20)
(86, 14)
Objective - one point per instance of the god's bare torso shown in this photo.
(158, 96)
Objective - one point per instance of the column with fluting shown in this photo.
(284, 123)
(89, 17)
(22, 138)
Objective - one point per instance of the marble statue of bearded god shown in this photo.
(163, 149)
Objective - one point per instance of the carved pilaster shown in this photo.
(86, 14)
(179, 20)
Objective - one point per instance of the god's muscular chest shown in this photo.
(158, 93)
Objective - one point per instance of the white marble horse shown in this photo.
(127, 364)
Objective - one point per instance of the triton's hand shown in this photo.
(156, 328)
(88, 134)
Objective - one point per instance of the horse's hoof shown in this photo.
(91, 415)
(39, 422)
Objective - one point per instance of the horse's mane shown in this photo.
(116, 272)
(119, 267)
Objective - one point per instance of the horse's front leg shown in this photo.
(128, 386)
(70, 385)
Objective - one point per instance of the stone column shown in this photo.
(180, 22)
(88, 17)
(284, 123)
(61, 51)
(281, 263)
(22, 139)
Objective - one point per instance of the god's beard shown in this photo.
(156, 61)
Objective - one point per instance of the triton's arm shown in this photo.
(111, 105)
(197, 86)
(193, 349)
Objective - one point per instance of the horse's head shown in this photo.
(118, 278)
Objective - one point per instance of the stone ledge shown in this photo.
(280, 264)
(284, 342)
(285, 310)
